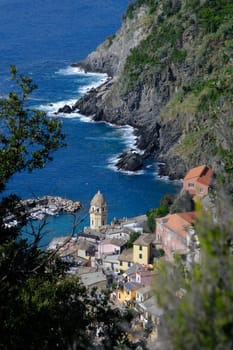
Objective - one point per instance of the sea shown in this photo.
(43, 38)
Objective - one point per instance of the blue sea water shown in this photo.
(42, 38)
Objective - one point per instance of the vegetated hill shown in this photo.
(171, 65)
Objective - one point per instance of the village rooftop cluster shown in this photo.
(101, 258)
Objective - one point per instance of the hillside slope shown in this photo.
(171, 68)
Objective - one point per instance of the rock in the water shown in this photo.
(65, 109)
(130, 161)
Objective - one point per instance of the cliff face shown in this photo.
(171, 68)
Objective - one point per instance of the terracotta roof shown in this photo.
(195, 172)
(178, 222)
(206, 178)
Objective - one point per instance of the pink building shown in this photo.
(110, 246)
(174, 232)
(198, 180)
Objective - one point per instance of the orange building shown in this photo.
(198, 180)
(174, 232)
(128, 291)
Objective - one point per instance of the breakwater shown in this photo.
(49, 205)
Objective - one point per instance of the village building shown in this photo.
(126, 259)
(127, 292)
(198, 181)
(142, 248)
(118, 233)
(94, 279)
(150, 314)
(111, 246)
(143, 294)
(111, 263)
(86, 249)
(174, 231)
(98, 211)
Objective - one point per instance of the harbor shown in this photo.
(49, 205)
(39, 208)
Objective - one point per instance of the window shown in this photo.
(140, 247)
(119, 295)
(201, 189)
(129, 264)
(140, 256)
(190, 184)
(121, 263)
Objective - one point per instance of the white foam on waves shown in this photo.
(126, 133)
(78, 71)
(112, 166)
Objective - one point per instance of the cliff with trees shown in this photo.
(171, 78)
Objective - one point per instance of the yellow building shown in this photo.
(142, 248)
(128, 292)
(125, 259)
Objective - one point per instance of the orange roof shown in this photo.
(179, 222)
(206, 178)
(195, 172)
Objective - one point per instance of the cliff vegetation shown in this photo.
(172, 69)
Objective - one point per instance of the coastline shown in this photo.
(131, 160)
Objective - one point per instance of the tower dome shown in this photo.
(98, 211)
(98, 200)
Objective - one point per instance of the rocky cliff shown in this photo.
(171, 77)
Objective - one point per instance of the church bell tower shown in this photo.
(98, 211)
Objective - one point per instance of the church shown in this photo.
(98, 211)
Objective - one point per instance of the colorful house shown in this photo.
(142, 249)
(126, 259)
(111, 246)
(143, 294)
(128, 292)
(142, 274)
(198, 180)
(174, 231)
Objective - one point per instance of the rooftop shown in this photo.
(126, 255)
(195, 172)
(92, 278)
(178, 222)
(145, 239)
(115, 241)
(98, 200)
(202, 173)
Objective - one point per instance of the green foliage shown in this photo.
(178, 56)
(183, 203)
(214, 13)
(163, 41)
(27, 137)
(40, 307)
(159, 212)
(197, 301)
(152, 4)
(132, 238)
